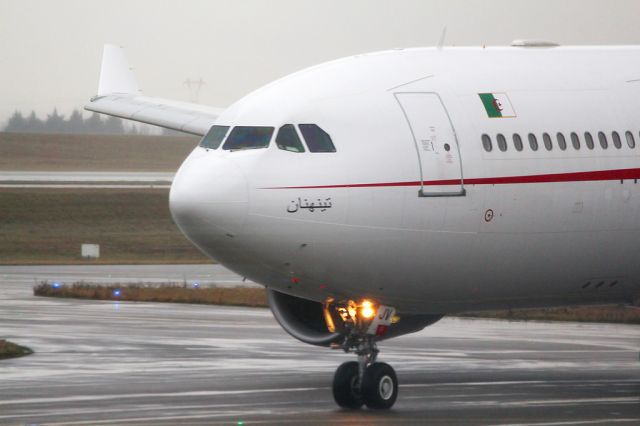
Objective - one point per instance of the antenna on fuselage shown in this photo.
(442, 38)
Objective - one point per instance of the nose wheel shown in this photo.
(378, 389)
(346, 386)
(379, 386)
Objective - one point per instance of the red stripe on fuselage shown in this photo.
(601, 175)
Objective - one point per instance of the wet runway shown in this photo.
(146, 363)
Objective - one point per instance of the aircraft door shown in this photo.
(436, 144)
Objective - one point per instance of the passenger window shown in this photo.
(630, 140)
(547, 141)
(317, 139)
(214, 137)
(486, 143)
(247, 137)
(588, 139)
(617, 142)
(517, 142)
(562, 143)
(575, 141)
(533, 142)
(603, 140)
(502, 142)
(288, 139)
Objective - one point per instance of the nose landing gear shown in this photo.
(366, 381)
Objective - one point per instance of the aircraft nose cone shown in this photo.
(209, 201)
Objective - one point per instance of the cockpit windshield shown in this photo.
(317, 139)
(288, 139)
(248, 137)
(254, 137)
(214, 137)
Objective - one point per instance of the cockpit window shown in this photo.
(288, 139)
(214, 137)
(317, 139)
(246, 137)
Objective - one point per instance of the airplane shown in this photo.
(374, 194)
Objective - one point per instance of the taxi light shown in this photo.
(367, 309)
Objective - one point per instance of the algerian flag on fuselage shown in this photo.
(497, 105)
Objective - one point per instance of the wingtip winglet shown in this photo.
(116, 75)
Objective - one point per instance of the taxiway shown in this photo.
(100, 362)
(33, 179)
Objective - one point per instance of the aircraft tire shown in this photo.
(345, 390)
(379, 386)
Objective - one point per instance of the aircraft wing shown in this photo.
(119, 95)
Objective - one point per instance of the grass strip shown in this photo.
(168, 292)
(11, 350)
(603, 314)
(44, 226)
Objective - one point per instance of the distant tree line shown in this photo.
(76, 123)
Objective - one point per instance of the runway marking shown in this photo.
(153, 395)
(574, 401)
(75, 411)
(237, 414)
(519, 382)
(573, 422)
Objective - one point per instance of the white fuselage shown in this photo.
(496, 229)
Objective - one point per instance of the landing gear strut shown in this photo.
(366, 381)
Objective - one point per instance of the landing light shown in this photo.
(55, 284)
(367, 309)
(116, 293)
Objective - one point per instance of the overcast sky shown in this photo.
(50, 49)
